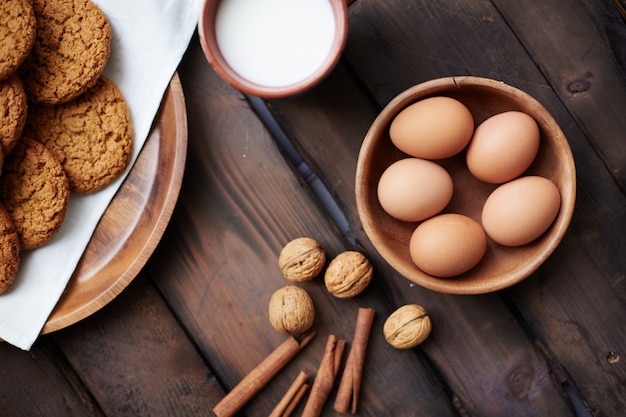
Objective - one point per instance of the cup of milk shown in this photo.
(273, 48)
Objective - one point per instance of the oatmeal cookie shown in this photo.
(9, 250)
(72, 47)
(91, 136)
(17, 34)
(35, 192)
(13, 111)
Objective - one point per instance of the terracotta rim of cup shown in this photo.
(208, 42)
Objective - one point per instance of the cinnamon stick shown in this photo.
(325, 378)
(292, 397)
(296, 399)
(256, 379)
(350, 384)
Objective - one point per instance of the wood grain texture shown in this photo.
(414, 53)
(462, 326)
(563, 305)
(586, 76)
(41, 383)
(219, 265)
(136, 360)
(561, 301)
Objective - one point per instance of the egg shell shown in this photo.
(447, 245)
(518, 212)
(413, 189)
(503, 147)
(433, 128)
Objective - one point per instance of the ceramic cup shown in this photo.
(273, 48)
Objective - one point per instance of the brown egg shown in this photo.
(447, 245)
(433, 128)
(503, 147)
(521, 210)
(414, 189)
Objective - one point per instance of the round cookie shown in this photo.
(13, 111)
(71, 49)
(9, 250)
(17, 34)
(35, 192)
(90, 136)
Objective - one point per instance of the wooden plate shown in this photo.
(135, 220)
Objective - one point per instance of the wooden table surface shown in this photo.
(194, 322)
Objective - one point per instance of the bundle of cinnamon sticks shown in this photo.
(349, 386)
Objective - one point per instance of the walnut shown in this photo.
(302, 259)
(407, 327)
(348, 274)
(291, 310)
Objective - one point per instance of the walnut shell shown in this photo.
(348, 274)
(302, 259)
(291, 310)
(407, 327)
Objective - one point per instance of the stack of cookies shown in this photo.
(64, 127)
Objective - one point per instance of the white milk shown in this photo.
(275, 43)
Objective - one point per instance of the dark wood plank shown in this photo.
(219, 267)
(586, 76)
(41, 383)
(433, 39)
(562, 304)
(136, 360)
(511, 370)
(482, 322)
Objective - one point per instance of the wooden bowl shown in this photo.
(501, 266)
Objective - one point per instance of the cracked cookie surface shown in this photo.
(72, 47)
(13, 111)
(35, 192)
(9, 250)
(91, 136)
(17, 34)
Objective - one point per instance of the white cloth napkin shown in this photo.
(149, 40)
